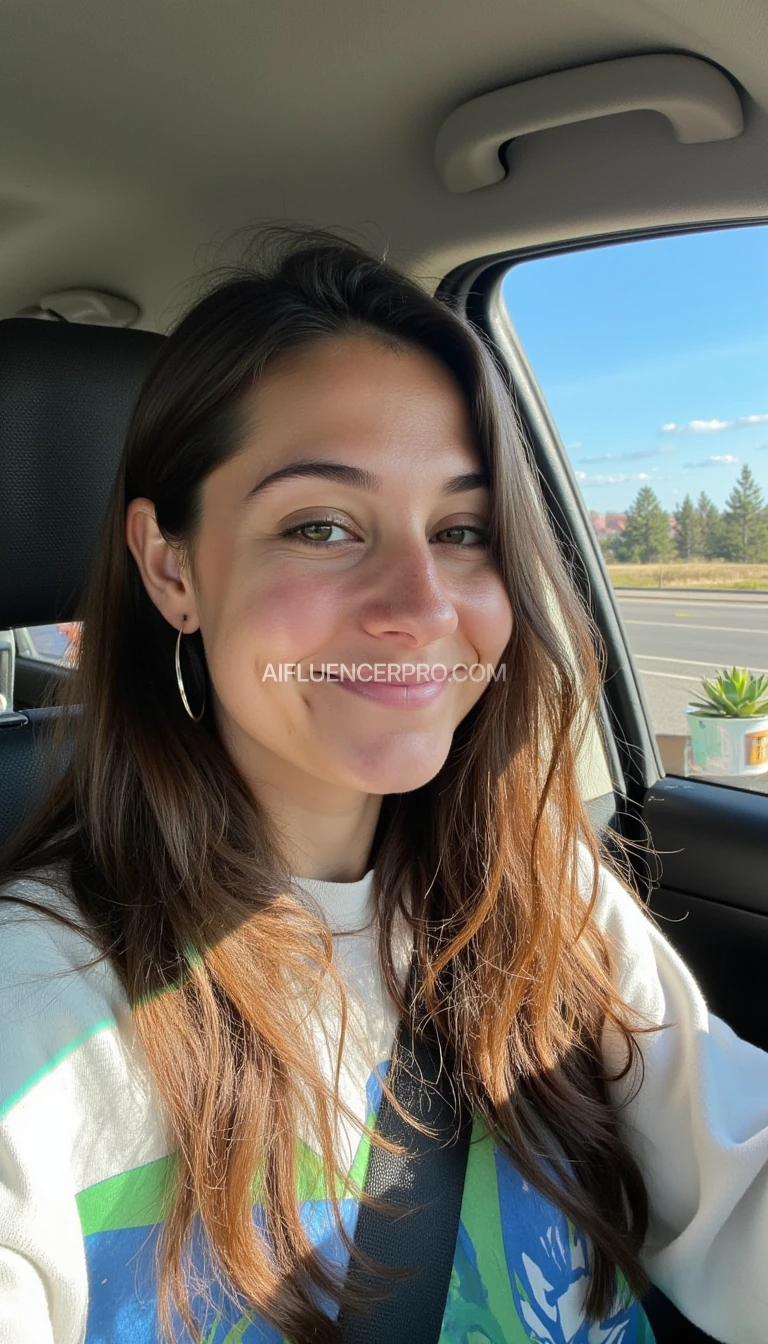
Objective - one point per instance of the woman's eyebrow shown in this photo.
(359, 478)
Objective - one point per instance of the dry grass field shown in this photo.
(690, 574)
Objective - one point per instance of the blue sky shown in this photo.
(653, 357)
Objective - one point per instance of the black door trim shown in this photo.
(697, 828)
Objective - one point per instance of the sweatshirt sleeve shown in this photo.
(699, 1129)
(65, 1105)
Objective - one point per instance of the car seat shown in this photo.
(66, 396)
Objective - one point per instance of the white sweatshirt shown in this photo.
(84, 1147)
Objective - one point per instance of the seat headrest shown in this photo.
(66, 397)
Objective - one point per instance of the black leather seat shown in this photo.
(66, 396)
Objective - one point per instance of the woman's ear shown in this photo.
(160, 565)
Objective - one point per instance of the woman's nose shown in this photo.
(410, 594)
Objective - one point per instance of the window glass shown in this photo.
(651, 356)
(50, 643)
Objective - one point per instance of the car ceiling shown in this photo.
(143, 140)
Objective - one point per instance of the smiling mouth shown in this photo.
(390, 681)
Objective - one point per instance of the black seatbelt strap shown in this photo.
(429, 1186)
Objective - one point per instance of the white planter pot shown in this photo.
(721, 746)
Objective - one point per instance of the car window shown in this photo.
(49, 643)
(651, 356)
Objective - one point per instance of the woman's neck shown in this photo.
(330, 846)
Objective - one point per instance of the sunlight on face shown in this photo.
(382, 582)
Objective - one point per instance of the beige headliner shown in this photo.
(137, 136)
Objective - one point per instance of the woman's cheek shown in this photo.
(487, 621)
(296, 623)
(291, 625)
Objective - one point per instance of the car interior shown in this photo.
(141, 146)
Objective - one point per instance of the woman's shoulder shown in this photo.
(33, 911)
(615, 904)
(634, 943)
(53, 998)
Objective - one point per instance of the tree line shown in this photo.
(700, 531)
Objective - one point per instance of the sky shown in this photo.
(653, 359)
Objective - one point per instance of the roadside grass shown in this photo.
(690, 574)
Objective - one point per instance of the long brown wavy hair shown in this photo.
(180, 875)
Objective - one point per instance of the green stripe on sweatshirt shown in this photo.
(137, 1198)
(53, 1063)
(142, 1197)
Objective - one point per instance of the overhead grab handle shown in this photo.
(696, 97)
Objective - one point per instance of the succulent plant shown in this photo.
(733, 695)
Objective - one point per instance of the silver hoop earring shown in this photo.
(195, 717)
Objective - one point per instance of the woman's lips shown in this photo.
(393, 693)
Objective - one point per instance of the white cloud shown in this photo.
(698, 427)
(714, 426)
(722, 460)
(569, 446)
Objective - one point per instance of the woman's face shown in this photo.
(380, 579)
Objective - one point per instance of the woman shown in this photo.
(207, 930)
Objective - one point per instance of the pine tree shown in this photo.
(646, 536)
(745, 534)
(710, 528)
(611, 549)
(688, 538)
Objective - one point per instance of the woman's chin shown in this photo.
(397, 770)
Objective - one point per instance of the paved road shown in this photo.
(677, 642)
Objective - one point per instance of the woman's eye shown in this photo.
(317, 524)
(328, 525)
(478, 531)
